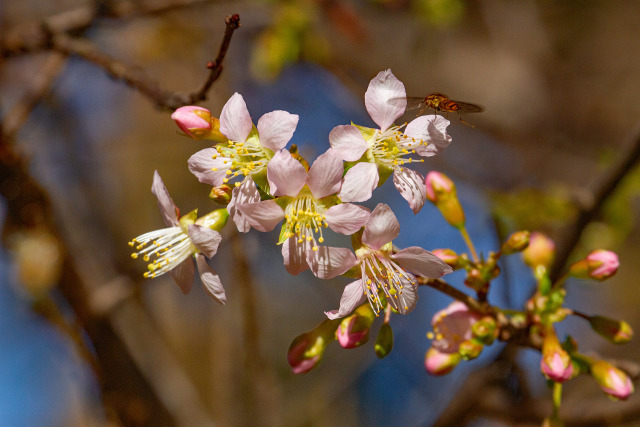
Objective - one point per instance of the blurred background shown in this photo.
(85, 340)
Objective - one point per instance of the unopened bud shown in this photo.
(485, 330)
(384, 341)
(612, 380)
(540, 252)
(470, 349)
(221, 195)
(38, 258)
(354, 329)
(441, 191)
(440, 363)
(616, 331)
(215, 220)
(306, 350)
(449, 256)
(198, 123)
(475, 279)
(599, 265)
(517, 242)
(555, 363)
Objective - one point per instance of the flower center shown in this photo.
(381, 274)
(170, 246)
(304, 218)
(393, 148)
(240, 158)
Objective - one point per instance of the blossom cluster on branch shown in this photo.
(262, 184)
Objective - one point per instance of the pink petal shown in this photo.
(285, 174)
(346, 218)
(202, 163)
(430, 129)
(409, 297)
(325, 175)
(210, 280)
(276, 129)
(348, 142)
(247, 192)
(352, 297)
(383, 99)
(205, 239)
(168, 209)
(411, 186)
(359, 183)
(382, 227)
(294, 255)
(183, 274)
(421, 262)
(263, 216)
(328, 262)
(235, 121)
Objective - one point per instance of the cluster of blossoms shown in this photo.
(260, 184)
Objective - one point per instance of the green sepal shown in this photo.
(188, 219)
(384, 341)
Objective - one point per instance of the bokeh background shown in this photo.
(84, 340)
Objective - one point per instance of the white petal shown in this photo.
(433, 131)
(352, 297)
(409, 297)
(168, 209)
(276, 129)
(382, 227)
(346, 218)
(247, 192)
(421, 262)
(325, 175)
(328, 262)
(348, 142)
(210, 280)
(205, 239)
(263, 216)
(294, 255)
(411, 186)
(285, 174)
(183, 275)
(384, 99)
(359, 183)
(235, 121)
(202, 165)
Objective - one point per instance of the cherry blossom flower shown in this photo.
(307, 202)
(452, 326)
(385, 274)
(249, 148)
(380, 152)
(184, 237)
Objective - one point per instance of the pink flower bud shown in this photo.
(441, 191)
(438, 185)
(616, 331)
(353, 331)
(448, 256)
(540, 252)
(612, 380)
(599, 265)
(221, 194)
(439, 363)
(192, 120)
(555, 363)
(306, 350)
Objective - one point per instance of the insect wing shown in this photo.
(466, 107)
(413, 102)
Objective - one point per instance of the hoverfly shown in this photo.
(440, 102)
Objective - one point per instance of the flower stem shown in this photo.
(467, 240)
(557, 399)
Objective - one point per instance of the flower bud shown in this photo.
(221, 195)
(198, 123)
(448, 256)
(384, 341)
(599, 265)
(475, 279)
(616, 331)
(540, 252)
(517, 242)
(38, 258)
(440, 363)
(306, 350)
(470, 349)
(485, 330)
(555, 363)
(354, 329)
(612, 380)
(441, 191)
